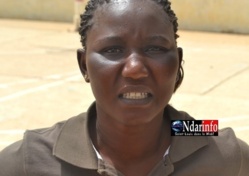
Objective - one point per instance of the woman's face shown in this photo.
(131, 60)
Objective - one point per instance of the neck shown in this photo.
(116, 141)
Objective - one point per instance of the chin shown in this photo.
(135, 118)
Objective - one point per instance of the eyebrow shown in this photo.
(109, 39)
(153, 38)
(159, 38)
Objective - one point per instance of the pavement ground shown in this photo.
(40, 83)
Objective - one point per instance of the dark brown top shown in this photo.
(66, 150)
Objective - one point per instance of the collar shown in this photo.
(74, 145)
(183, 146)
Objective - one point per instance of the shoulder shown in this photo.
(223, 155)
(211, 153)
(233, 151)
(45, 138)
(34, 152)
(227, 151)
(17, 158)
(11, 160)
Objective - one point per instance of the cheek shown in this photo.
(166, 72)
(102, 72)
(98, 66)
(166, 68)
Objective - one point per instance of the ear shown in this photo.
(180, 73)
(81, 57)
(180, 54)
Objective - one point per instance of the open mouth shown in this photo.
(135, 95)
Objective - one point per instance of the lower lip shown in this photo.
(136, 102)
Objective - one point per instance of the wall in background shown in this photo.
(46, 10)
(213, 15)
(206, 15)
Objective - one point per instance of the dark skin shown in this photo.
(131, 62)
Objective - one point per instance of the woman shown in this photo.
(133, 64)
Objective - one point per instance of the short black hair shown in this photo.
(86, 17)
(86, 23)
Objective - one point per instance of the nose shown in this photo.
(135, 67)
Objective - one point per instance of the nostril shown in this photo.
(135, 69)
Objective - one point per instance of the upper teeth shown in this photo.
(135, 95)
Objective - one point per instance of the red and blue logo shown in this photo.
(194, 127)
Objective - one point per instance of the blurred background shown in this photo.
(40, 83)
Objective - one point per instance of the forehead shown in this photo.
(130, 11)
(130, 20)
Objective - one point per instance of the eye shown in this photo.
(156, 50)
(113, 50)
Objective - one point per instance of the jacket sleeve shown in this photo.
(12, 160)
(244, 168)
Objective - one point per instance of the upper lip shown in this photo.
(134, 88)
